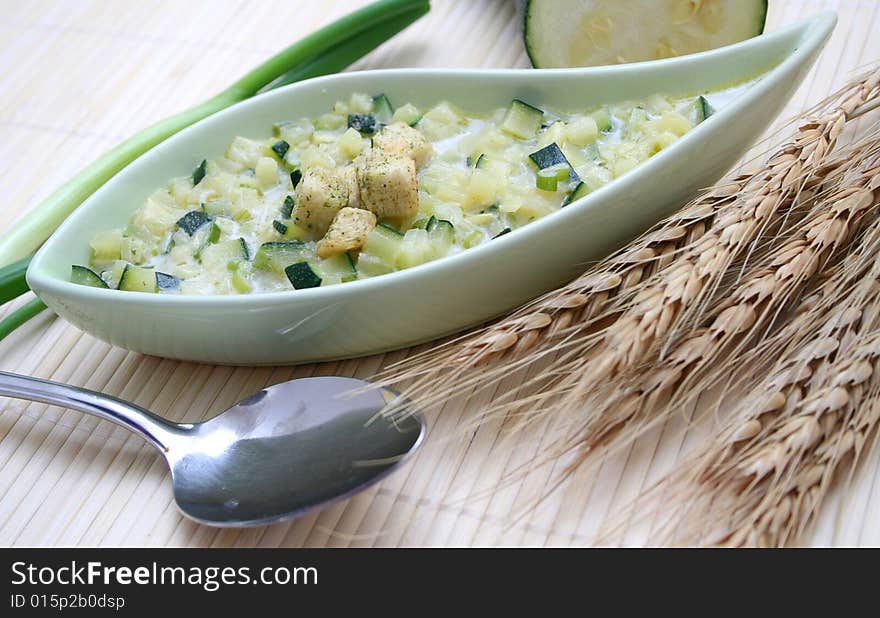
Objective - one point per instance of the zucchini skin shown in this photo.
(280, 148)
(82, 275)
(302, 276)
(551, 155)
(192, 221)
(365, 124)
(166, 282)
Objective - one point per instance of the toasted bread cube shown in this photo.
(347, 232)
(387, 184)
(401, 139)
(320, 195)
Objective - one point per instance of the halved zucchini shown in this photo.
(86, 276)
(571, 33)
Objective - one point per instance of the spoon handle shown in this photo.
(154, 429)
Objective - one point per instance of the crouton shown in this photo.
(387, 184)
(347, 232)
(401, 139)
(320, 195)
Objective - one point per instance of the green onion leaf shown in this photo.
(546, 180)
(20, 316)
(12, 281)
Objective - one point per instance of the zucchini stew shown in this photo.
(367, 189)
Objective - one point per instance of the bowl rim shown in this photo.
(813, 31)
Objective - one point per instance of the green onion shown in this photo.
(20, 316)
(562, 172)
(327, 50)
(546, 180)
(12, 283)
(213, 234)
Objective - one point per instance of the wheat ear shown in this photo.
(682, 261)
(824, 327)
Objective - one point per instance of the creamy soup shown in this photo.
(368, 188)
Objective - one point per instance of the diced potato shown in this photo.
(482, 189)
(319, 196)
(245, 151)
(245, 200)
(106, 245)
(399, 138)
(662, 140)
(266, 172)
(555, 133)
(330, 121)
(440, 122)
(324, 137)
(156, 216)
(582, 131)
(406, 113)
(623, 164)
(315, 156)
(295, 131)
(351, 143)
(134, 250)
(347, 232)
(360, 103)
(673, 122)
(388, 185)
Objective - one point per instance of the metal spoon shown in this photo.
(287, 449)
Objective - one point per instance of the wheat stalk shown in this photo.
(633, 302)
(746, 314)
(825, 328)
(778, 482)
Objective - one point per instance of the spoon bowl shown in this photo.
(444, 296)
(288, 449)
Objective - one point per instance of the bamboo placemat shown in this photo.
(77, 76)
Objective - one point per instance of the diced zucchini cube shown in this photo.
(302, 275)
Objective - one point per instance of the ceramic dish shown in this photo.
(446, 295)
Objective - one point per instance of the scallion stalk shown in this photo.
(20, 316)
(12, 282)
(546, 180)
